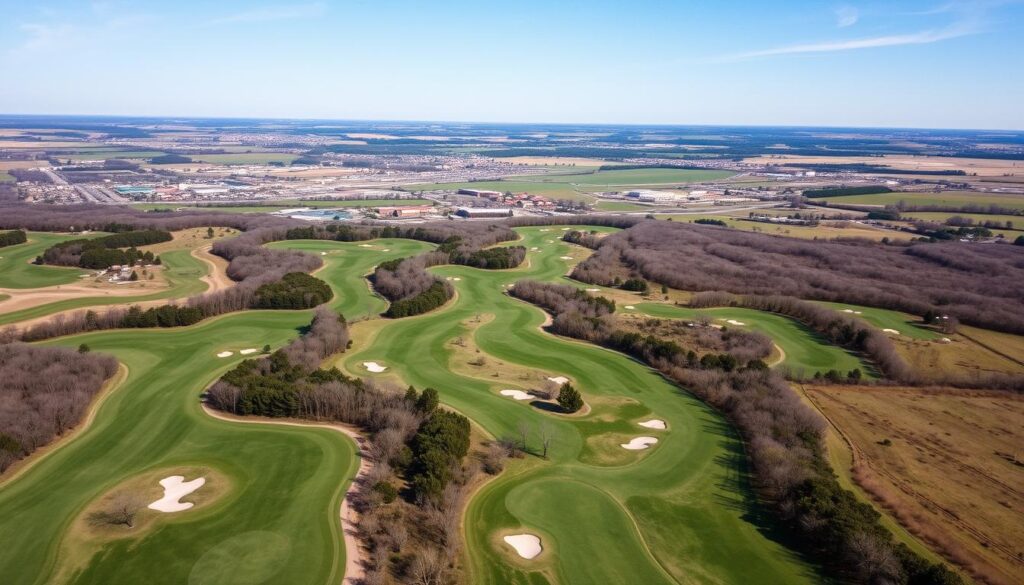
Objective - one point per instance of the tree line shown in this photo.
(103, 251)
(412, 533)
(45, 392)
(976, 284)
(785, 443)
(12, 238)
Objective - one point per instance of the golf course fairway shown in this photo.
(680, 511)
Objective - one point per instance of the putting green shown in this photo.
(17, 271)
(806, 351)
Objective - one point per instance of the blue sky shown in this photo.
(890, 63)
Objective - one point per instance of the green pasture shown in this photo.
(181, 269)
(277, 521)
(951, 198)
(6, 177)
(621, 206)
(17, 270)
(108, 154)
(578, 185)
(245, 158)
(1017, 221)
(806, 351)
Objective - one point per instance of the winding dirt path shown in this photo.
(355, 554)
(217, 279)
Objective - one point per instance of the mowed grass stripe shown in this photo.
(697, 469)
(286, 481)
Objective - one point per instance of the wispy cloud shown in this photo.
(274, 13)
(847, 16)
(64, 34)
(918, 38)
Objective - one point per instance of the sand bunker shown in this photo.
(365, 246)
(629, 307)
(386, 250)
(593, 290)
(456, 279)
(893, 331)
(225, 354)
(323, 253)
(374, 367)
(534, 249)
(654, 423)
(851, 311)
(565, 229)
(516, 394)
(526, 545)
(559, 379)
(565, 257)
(639, 443)
(175, 488)
(248, 350)
(735, 322)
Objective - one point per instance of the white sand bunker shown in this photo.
(456, 279)
(516, 394)
(893, 331)
(534, 249)
(374, 367)
(735, 322)
(248, 350)
(175, 488)
(526, 545)
(851, 311)
(225, 354)
(323, 253)
(565, 229)
(559, 379)
(386, 250)
(630, 307)
(593, 290)
(565, 257)
(639, 443)
(654, 423)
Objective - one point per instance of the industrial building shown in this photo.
(482, 212)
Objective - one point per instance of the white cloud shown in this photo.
(847, 16)
(917, 38)
(274, 13)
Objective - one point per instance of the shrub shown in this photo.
(569, 398)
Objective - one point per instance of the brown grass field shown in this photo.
(970, 351)
(983, 167)
(953, 473)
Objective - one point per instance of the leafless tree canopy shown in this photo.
(44, 392)
(979, 284)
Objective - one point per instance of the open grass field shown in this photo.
(108, 154)
(621, 206)
(1017, 221)
(805, 351)
(947, 473)
(17, 270)
(245, 158)
(6, 177)
(577, 185)
(272, 206)
(279, 488)
(944, 198)
(680, 509)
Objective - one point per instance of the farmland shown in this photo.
(948, 198)
(246, 158)
(938, 459)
